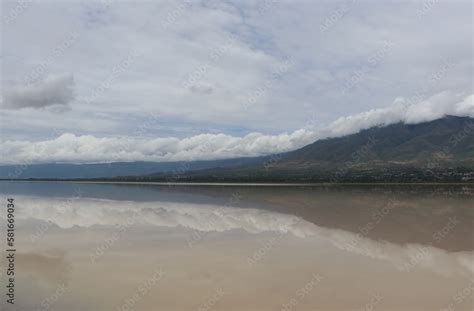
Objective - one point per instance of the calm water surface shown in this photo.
(148, 247)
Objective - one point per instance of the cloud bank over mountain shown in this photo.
(71, 148)
(403, 110)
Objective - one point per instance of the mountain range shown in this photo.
(439, 150)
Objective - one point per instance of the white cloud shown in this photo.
(88, 148)
(402, 110)
(52, 91)
(439, 105)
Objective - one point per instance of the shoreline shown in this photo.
(229, 184)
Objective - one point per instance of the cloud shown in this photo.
(200, 62)
(438, 106)
(87, 148)
(203, 88)
(402, 110)
(52, 91)
(73, 148)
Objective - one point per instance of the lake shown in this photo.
(86, 246)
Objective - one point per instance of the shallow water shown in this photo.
(150, 247)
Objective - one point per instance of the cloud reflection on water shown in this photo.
(213, 218)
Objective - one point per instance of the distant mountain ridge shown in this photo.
(443, 147)
(439, 150)
(446, 140)
(66, 171)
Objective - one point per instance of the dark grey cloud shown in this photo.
(52, 91)
(202, 88)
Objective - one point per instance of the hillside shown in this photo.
(440, 150)
(445, 141)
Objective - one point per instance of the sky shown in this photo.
(114, 80)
